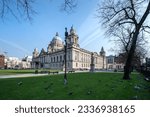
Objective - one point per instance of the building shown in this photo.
(114, 62)
(77, 58)
(16, 63)
(12, 62)
(26, 62)
(2, 61)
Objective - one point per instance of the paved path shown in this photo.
(21, 75)
(29, 75)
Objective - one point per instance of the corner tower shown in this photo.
(35, 53)
(72, 39)
(102, 52)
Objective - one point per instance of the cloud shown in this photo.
(15, 45)
(90, 31)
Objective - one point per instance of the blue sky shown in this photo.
(20, 38)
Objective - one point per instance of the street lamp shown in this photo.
(65, 57)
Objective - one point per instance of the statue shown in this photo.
(92, 65)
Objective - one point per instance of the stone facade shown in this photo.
(77, 58)
(114, 63)
(2, 63)
(16, 63)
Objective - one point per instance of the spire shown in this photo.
(102, 52)
(72, 27)
(102, 49)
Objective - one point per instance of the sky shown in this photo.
(19, 38)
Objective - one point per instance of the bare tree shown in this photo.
(123, 38)
(129, 14)
(69, 5)
(24, 8)
(17, 8)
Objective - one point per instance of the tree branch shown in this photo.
(69, 5)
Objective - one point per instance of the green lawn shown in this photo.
(81, 86)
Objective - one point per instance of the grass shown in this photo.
(87, 86)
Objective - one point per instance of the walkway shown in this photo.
(21, 75)
(29, 75)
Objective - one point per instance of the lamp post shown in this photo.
(65, 57)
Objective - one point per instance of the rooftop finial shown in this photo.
(57, 34)
(72, 27)
(72, 30)
(102, 49)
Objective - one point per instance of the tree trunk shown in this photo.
(128, 63)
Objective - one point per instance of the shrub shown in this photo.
(36, 71)
(115, 70)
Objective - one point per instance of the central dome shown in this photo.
(56, 37)
(56, 43)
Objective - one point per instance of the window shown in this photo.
(76, 55)
(96, 60)
(76, 64)
(54, 59)
(60, 58)
(68, 64)
(44, 59)
(57, 58)
(110, 60)
(110, 66)
(82, 57)
(69, 58)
